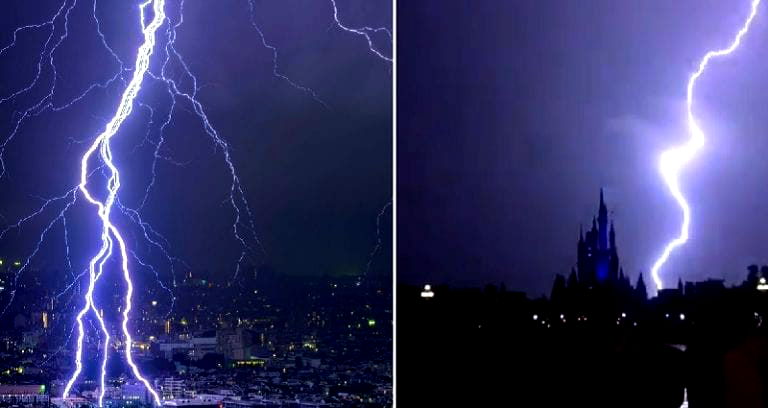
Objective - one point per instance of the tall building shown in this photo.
(170, 388)
(598, 259)
(235, 344)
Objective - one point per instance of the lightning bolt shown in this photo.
(174, 74)
(364, 32)
(376, 247)
(673, 160)
(109, 232)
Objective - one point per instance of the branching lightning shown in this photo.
(110, 233)
(376, 247)
(364, 32)
(673, 160)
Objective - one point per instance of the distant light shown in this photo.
(762, 285)
(666, 315)
(562, 316)
(371, 322)
(535, 317)
(427, 293)
(154, 303)
(17, 263)
(682, 316)
(623, 314)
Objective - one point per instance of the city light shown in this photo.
(427, 293)
(762, 285)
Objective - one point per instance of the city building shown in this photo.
(235, 344)
(171, 388)
(136, 392)
(192, 403)
(26, 395)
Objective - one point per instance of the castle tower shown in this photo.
(598, 260)
(602, 224)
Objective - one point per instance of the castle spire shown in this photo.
(602, 223)
(640, 289)
(602, 201)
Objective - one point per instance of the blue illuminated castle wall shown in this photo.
(598, 259)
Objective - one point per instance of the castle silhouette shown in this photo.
(597, 266)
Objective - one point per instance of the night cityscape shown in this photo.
(197, 204)
(275, 342)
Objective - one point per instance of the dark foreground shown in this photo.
(484, 348)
